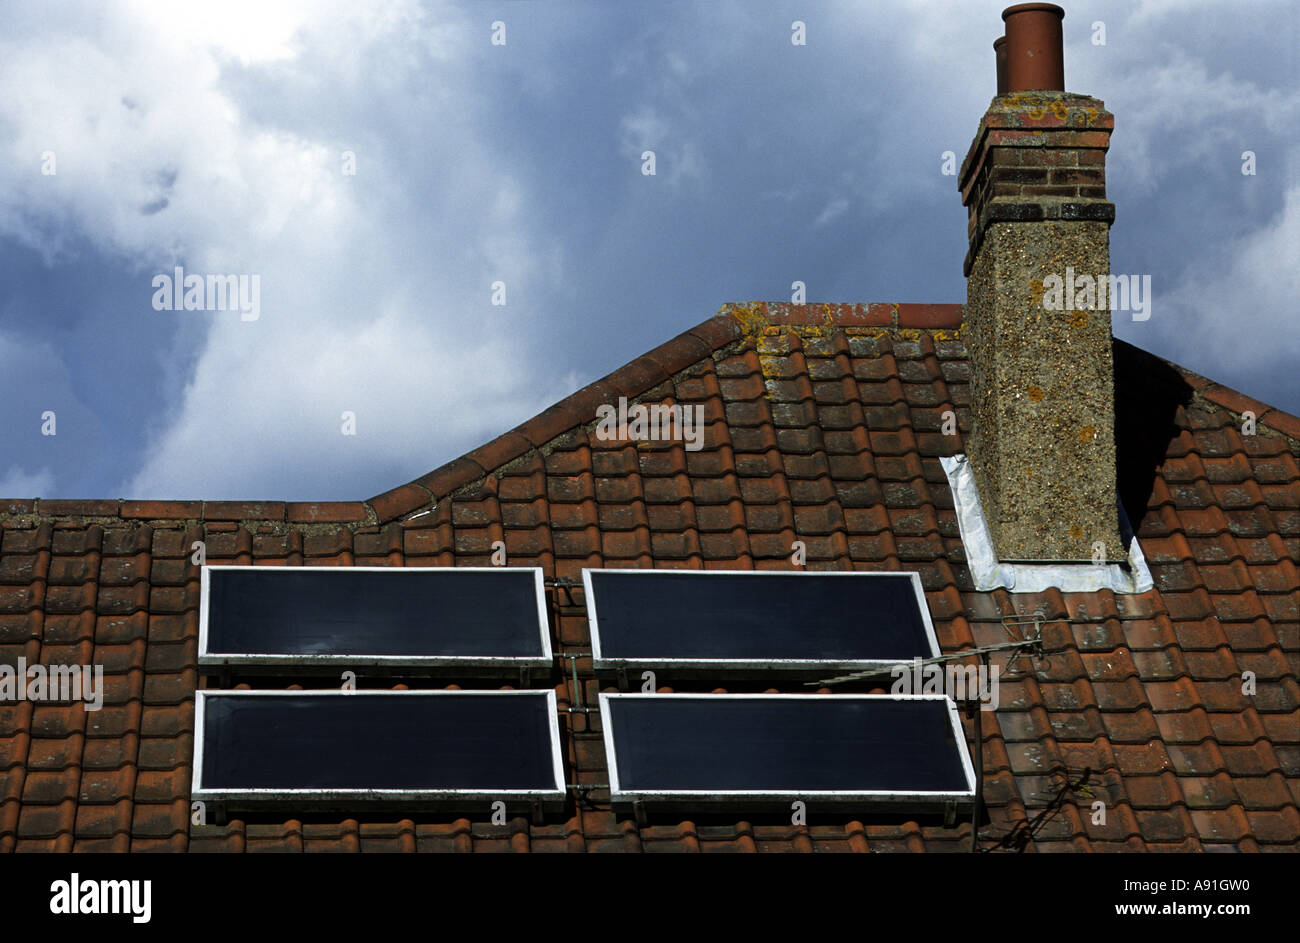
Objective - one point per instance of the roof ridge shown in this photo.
(1285, 424)
(308, 516)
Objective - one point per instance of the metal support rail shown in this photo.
(1034, 644)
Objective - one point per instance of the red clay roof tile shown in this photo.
(820, 416)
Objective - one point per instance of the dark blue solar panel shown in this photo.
(762, 618)
(797, 745)
(259, 614)
(411, 742)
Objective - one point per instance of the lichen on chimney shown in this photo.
(1042, 383)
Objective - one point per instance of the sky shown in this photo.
(379, 171)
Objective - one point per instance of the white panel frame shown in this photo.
(292, 661)
(605, 663)
(722, 796)
(557, 795)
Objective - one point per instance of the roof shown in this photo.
(823, 427)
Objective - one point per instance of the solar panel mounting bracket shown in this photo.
(1033, 641)
(568, 584)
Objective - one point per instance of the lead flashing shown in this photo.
(989, 574)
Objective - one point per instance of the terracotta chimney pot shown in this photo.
(1035, 61)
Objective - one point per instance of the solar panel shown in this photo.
(403, 617)
(710, 749)
(751, 620)
(315, 746)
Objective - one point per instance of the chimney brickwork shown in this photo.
(1042, 383)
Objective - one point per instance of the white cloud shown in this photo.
(179, 137)
(35, 382)
(1235, 311)
(19, 483)
(135, 121)
(834, 209)
(1156, 135)
(248, 30)
(1148, 11)
(677, 155)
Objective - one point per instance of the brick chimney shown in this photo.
(1042, 384)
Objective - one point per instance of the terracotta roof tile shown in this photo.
(103, 821)
(1138, 727)
(824, 424)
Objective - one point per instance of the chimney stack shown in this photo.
(1042, 382)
